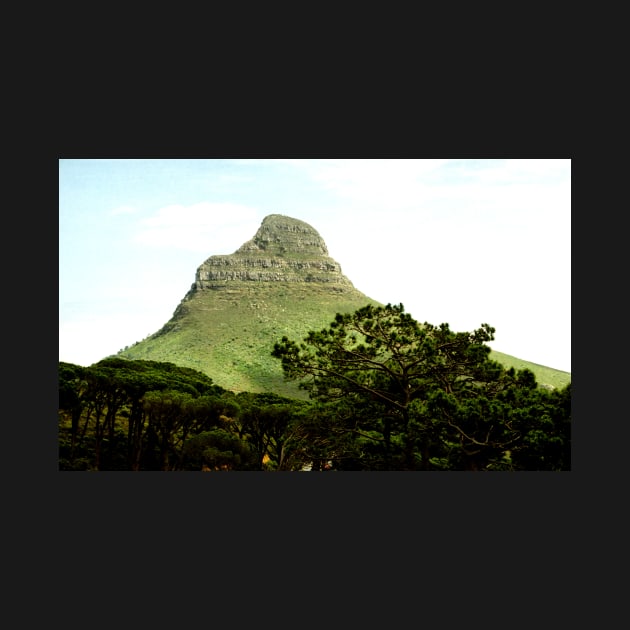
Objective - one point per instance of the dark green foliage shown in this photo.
(386, 393)
(160, 375)
(546, 431)
(131, 415)
(264, 421)
(218, 450)
(396, 395)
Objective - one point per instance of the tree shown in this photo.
(263, 421)
(72, 391)
(104, 413)
(545, 421)
(168, 416)
(218, 450)
(393, 394)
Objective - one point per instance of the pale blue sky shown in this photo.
(459, 241)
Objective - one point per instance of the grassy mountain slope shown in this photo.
(229, 334)
(544, 375)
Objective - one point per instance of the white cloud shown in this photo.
(202, 227)
(477, 241)
(385, 183)
(84, 340)
(529, 169)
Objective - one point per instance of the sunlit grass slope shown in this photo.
(229, 334)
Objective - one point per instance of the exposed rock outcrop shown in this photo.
(283, 250)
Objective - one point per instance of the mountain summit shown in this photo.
(282, 250)
(281, 282)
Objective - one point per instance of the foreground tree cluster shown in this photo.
(385, 393)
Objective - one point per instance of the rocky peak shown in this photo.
(281, 235)
(282, 250)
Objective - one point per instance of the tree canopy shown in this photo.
(385, 393)
(399, 395)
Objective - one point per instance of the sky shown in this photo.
(461, 241)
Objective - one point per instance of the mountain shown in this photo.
(281, 282)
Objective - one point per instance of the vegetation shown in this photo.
(397, 395)
(546, 376)
(229, 334)
(379, 391)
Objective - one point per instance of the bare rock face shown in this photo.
(283, 250)
(279, 235)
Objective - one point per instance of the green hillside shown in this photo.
(229, 334)
(547, 376)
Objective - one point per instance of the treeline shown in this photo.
(148, 415)
(385, 393)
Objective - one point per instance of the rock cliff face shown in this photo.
(283, 250)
